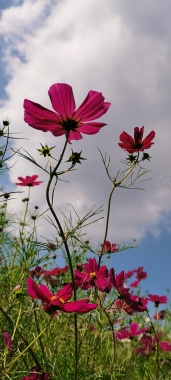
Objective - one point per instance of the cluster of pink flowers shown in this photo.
(86, 276)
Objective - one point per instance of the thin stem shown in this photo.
(107, 223)
(38, 330)
(64, 239)
(115, 184)
(8, 318)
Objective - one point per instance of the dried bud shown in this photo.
(75, 158)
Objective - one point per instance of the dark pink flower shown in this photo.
(134, 284)
(136, 303)
(37, 272)
(165, 346)
(93, 276)
(51, 303)
(66, 120)
(120, 305)
(36, 374)
(149, 343)
(136, 144)
(56, 271)
(157, 299)
(118, 281)
(107, 247)
(129, 273)
(141, 275)
(8, 340)
(29, 181)
(131, 332)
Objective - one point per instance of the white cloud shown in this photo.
(102, 46)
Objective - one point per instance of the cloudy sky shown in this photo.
(122, 49)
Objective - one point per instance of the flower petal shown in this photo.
(37, 292)
(62, 99)
(92, 107)
(39, 117)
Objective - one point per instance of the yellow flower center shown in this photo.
(61, 300)
(53, 298)
(93, 275)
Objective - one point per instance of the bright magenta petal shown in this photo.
(39, 117)
(37, 292)
(62, 99)
(65, 293)
(92, 107)
(81, 306)
(90, 128)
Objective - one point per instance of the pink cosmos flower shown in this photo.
(37, 272)
(136, 303)
(93, 276)
(141, 275)
(131, 332)
(129, 274)
(56, 271)
(37, 374)
(120, 305)
(165, 346)
(157, 299)
(136, 144)
(108, 247)
(134, 284)
(29, 181)
(8, 340)
(66, 120)
(51, 303)
(149, 343)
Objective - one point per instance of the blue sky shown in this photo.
(122, 50)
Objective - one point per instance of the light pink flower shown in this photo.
(66, 120)
(108, 247)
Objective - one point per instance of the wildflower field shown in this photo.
(81, 320)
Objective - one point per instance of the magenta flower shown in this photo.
(136, 303)
(107, 247)
(121, 305)
(157, 299)
(66, 120)
(141, 275)
(134, 284)
(165, 346)
(136, 144)
(131, 332)
(29, 181)
(149, 343)
(93, 276)
(37, 272)
(129, 274)
(56, 271)
(8, 341)
(36, 374)
(51, 303)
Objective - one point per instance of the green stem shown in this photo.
(8, 318)
(64, 239)
(115, 184)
